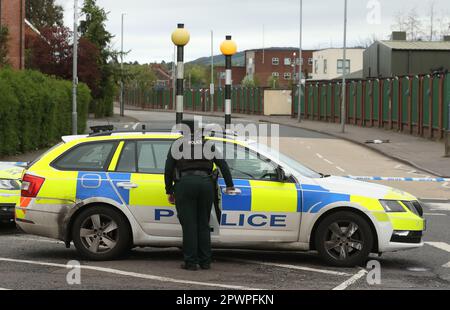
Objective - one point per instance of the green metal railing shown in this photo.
(414, 104)
(244, 100)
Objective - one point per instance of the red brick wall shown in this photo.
(12, 16)
(264, 70)
(237, 75)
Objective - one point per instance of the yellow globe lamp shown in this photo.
(228, 47)
(180, 37)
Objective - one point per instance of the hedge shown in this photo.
(35, 110)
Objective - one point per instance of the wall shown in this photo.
(263, 70)
(13, 15)
(419, 62)
(332, 55)
(277, 102)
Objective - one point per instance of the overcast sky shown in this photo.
(149, 23)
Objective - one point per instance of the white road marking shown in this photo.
(37, 240)
(446, 265)
(328, 161)
(440, 206)
(440, 214)
(340, 169)
(295, 267)
(318, 155)
(4, 289)
(135, 126)
(440, 245)
(351, 281)
(131, 274)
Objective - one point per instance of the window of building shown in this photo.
(340, 66)
(275, 61)
(275, 74)
(316, 66)
(325, 66)
(287, 75)
(310, 61)
(287, 61)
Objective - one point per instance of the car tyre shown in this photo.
(101, 233)
(344, 239)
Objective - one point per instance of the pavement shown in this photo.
(31, 262)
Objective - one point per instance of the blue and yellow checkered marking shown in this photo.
(242, 202)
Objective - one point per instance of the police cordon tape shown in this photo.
(398, 179)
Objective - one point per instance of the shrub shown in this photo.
(35, 110)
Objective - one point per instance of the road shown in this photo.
(30, 262)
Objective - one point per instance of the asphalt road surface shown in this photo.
(30, 262)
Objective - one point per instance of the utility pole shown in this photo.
(211, 86)
(343, 108)
(300, 65)
(75, 69)
(122, 103)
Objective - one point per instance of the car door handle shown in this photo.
(236, 191)
(127, 185)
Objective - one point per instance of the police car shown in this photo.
(105, 192)
(10, 174)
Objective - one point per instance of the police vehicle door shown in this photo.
(266, 207)
(139, 178)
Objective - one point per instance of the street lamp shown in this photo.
(228, 49)
(344, 75)
(180, 37)
(75, 69)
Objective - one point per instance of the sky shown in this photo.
(149, 23)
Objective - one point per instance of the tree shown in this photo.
(273, 82)
(196, 76)
(52, 54)
(93, 28)
(250, 81)
(409, 23)
(141, 76)
(44, 13)
(4, 37)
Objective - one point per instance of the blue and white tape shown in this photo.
(397, 179)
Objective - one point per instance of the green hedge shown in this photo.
(35, 110)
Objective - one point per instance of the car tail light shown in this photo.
(31, 185)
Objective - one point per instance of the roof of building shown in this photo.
(418, 45)
(160, 71)
(278, 49)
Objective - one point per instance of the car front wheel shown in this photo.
(101, 233)
(344, 239)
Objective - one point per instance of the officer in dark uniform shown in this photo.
(190, 186)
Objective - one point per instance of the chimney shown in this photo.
(446, 38)
(398, 36)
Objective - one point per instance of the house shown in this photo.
(399, 57)
(262, 64)
(238, 74)
(328, 64)
(12, 15)
(163, 77)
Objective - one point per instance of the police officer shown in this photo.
(190, 186)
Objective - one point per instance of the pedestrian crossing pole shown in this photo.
(180, 37)
(228, 49)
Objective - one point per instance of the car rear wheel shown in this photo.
(101, 233)
(344, 239)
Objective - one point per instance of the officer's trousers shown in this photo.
(194, 196)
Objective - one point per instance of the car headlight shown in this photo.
(7, 184)
(392, 206)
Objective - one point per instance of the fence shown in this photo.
(416, 105)
(244, 100)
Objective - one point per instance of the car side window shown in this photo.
(127, 160)
(245, 164)
(88, 156)
(152, 156)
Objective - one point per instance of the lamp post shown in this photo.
(344, 75)
(300, 64)
(75, 69)
(180, 37)
(122, 104)
(228, 49)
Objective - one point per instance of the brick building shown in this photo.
(238, 74)
(12, 15)
(277, 62)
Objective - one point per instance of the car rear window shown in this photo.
(88, 156)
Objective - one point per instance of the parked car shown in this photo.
(105, 192)
(10, 174)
